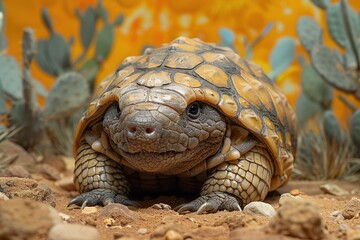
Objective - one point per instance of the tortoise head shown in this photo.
(156, 130)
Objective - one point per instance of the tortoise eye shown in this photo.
(193, 111)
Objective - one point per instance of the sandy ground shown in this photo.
(157, 220)
(149, 222)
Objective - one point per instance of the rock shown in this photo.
(109, 222)
(336, 215)
(121, 213)
(25, 219)
(3, 196)
(63, 231)
(333, 189)
(173, 235)
(16, 152)
(66, 183)
(64, 216)
(259, 208)
(289, 197)
(27, 188)
(351, 208)
(295, 192)
(50, 172)
(142, 231)
(298, 219)
(161, 206)
(16, 171)
(55, 161)
(89, 210)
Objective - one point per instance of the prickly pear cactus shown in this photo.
(67, 95)
(330, 67)
(10, 77)
(332, 128)
(339, 70)
(355, 129)
(309, 32)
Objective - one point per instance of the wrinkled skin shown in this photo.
(156, 139)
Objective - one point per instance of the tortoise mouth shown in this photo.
(168, 163)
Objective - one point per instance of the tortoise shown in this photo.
(188, 117)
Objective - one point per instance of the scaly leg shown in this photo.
(99, 179)
(233, 184)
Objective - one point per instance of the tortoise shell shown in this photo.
(217, 76)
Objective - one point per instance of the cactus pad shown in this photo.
(332, 128)
(336, 24)
(330, 67)
(306, 109)
(87, 27)
(67, 95)
(321, 3)
(309, 32)
(355, 128)
(314, 87)
(10, 77)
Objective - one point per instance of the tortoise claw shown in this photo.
(101, 197)
(210, 203)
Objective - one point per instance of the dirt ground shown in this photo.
(157, 220)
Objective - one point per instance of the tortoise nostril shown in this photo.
(132, 129)
(150, 130)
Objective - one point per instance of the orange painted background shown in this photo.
(154, 22)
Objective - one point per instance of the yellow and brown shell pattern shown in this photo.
(215, 75)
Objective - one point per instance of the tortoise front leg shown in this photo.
(233, 184)
(99, 179)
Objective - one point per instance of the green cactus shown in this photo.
(329, 150)
(330, 67)
(67, 95)
(355, 129)
(87, 26)
(332, 129)
(321, 3)
(340, 71)
(309, 32)
(315, 88)
(10, 77)
(307, 109)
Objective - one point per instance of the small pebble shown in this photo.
(142, 231)
(65, 231)
(333, 189)
(336, 215)
(89, 210)
(64, 216)
(295, 192)
(352, 208)
(173, 235)
(259, 208)
(3, 196)
(161, 206)
(289, 197)
(119, 212)
(109, 222)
